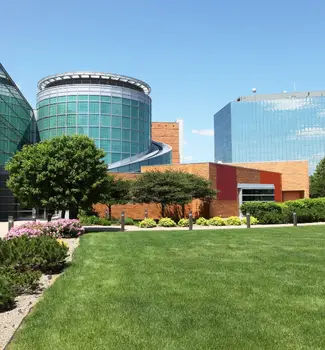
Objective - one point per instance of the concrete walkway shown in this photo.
(131, 228)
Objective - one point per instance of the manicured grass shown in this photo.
(225, 289)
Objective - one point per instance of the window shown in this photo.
(93, 107)
(116, 134)
(61, 108)
(116, 146)
(83, 107)
(72, 107)
(83, 98)
(126, 111)
(105, 120)
(105, 133)
(72, 98)
(126, 123)
(116, 121)
(93, 98)
(116, 109)
(258, 195)
(82, 119)
(93, 132)
(105, 108)
(94, 119)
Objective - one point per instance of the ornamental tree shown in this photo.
(317, 181)
(169, 187)
(66, 172)
(118, 192)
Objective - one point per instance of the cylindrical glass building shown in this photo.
(112, 109)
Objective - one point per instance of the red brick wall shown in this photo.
(268, 177)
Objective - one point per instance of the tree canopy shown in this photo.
(170, 187)
(317, 181)
(66, 172)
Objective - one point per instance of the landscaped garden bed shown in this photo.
(225, 289)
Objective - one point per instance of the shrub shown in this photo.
(216, 221)
(307, 210)
(7, 296)
(183, 223)
(147, 223)
(202, 221)
(166, 222)
(254, 221)
(42, 253)
(233, 221)
(94, 220)
(21, 281)
(265, 212)
(58, 229)
(129, 221)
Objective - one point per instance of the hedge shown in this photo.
(307, 210)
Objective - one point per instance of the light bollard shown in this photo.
(122, 221)
(34, 214)
(294, 219)
(10, 222)
(248, 220)
(190, 221)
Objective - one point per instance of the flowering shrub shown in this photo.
(254, 221)
(166, 222)
(216, 221)
(147, 223)
(233, 221)
(58, 229)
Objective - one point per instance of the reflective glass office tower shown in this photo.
(17, 127)
(113, 110)
(276, 127)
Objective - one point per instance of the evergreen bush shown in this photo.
(7, 296)
(202, 221)
(183, 223)
(233, 221)
(147, 223)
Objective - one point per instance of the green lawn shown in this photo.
(224, 289)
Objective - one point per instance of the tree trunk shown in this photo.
(73, 213)
(49, 214)
(109, 212)
(162, 210)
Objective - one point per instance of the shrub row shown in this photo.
(64, 228)
(307, 210)
(93, 220)
(22, 261)
(215, 221)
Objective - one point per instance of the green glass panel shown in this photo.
(93, 107)
(116, 99)
(62, 120)
(93, 98)
(105, 120)
(126, 123)
(82, 119)
(53, 132)
(52, 110)
(116, 134)
(116, 121)
(126, 101)
(52, 122)
(134, 112)
(53, 100)
(105, 133)
(105, 145)
(134, 148)
(72, 107)
(105, 108)
(116, 109)
(71, 131)
(83, 107)
(46, 123)
(71, 120)
(134, 103)
(60, 131)
(62, 108)
(135, 124)
(116, 146)
(126, 110)
(106, 98)
(97, 143)
(134, 136)
(116, 157)
(141, 125)
(94, 119)
(72, 98)
(83, 98)
(108, 158)
(126, 146)
(93, 132)
(62, 98)
(83, 130)
(126, 134)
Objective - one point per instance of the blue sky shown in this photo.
(196, 55)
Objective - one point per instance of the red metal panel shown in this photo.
(226, 182)
(268, 177)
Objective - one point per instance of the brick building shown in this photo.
(235, 184)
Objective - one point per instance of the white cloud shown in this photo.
(286, 104)
(203, 132)
(310, 132)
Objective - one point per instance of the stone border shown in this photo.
(12, 319)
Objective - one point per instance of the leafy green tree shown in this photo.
(317, 181)
(169, 187)
(66, 172)
(118, 192)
